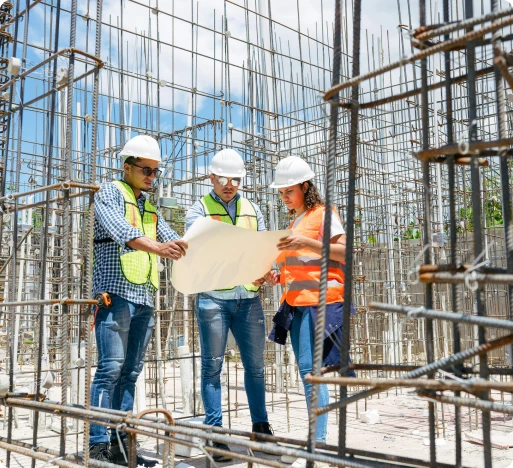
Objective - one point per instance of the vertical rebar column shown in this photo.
(67, 230)
(88, 250)
(351, 189)
(455, 297)
(122, 124)
(47, 177)
(330, 182)
(14, 270)
(504, 169)
(427, 233)
(477, 221)
(7, 107)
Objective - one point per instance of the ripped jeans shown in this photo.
(245, 318)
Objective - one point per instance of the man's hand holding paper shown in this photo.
(222, 256)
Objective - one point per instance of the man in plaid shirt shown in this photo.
(129, 234)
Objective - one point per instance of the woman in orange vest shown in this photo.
(300, 273)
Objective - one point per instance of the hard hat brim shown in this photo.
(226, 173)
(124, 157)
(291, 183)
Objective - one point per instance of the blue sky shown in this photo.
(177, 72)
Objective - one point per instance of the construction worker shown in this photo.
(129, 236)
(237, 309)
(300, 272)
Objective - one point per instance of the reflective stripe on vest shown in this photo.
(308, 261)
(300, 270)
(245, 217)
(138, 267)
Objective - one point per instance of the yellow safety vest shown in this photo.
(245, 217)
(138, 267)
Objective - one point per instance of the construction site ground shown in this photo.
(402, 430)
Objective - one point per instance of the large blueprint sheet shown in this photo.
(223, 256)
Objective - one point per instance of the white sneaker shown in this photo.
(288, 459)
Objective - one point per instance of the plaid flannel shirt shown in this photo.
(110, 223)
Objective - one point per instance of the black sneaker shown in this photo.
(120, 459)
(219, 457)
(263, 428)
(101, 452)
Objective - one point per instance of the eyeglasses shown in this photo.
(148, 171)
(223, 181)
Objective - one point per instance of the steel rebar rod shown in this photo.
(457, 278)
(472, 385)
(463, 24)
(58, 88)
(323, 285)
(55, 453)
(502, 66)
(8, 207)
(66, 185)
(441, 47)
(421, 312)
(479, 404)
(351, 197)
(463, 147)
(20, 243)
(415, 91)
(67, 51)
(47, 176)
(427, 369)
(17, 164)
(66, 301)
(18, 16)
(49, 459)
(88, 250)
(98, 416)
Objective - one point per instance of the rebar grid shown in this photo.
(472, 276)
(266, 104)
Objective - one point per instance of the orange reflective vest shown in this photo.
(300, 270)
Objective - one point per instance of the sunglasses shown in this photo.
(223, 181)
(148, 171)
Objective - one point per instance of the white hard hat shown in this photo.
(291, 171)
(227, 163)
(141, 146)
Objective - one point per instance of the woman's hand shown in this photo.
(271, 278)
(294, 242)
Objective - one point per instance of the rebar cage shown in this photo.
(411, 147)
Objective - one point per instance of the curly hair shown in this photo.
(312, 197)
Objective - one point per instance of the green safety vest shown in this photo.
(245, 217)
(138, 267)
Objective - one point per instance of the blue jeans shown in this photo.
(123, 332)
(245, 318)
(302, 339)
